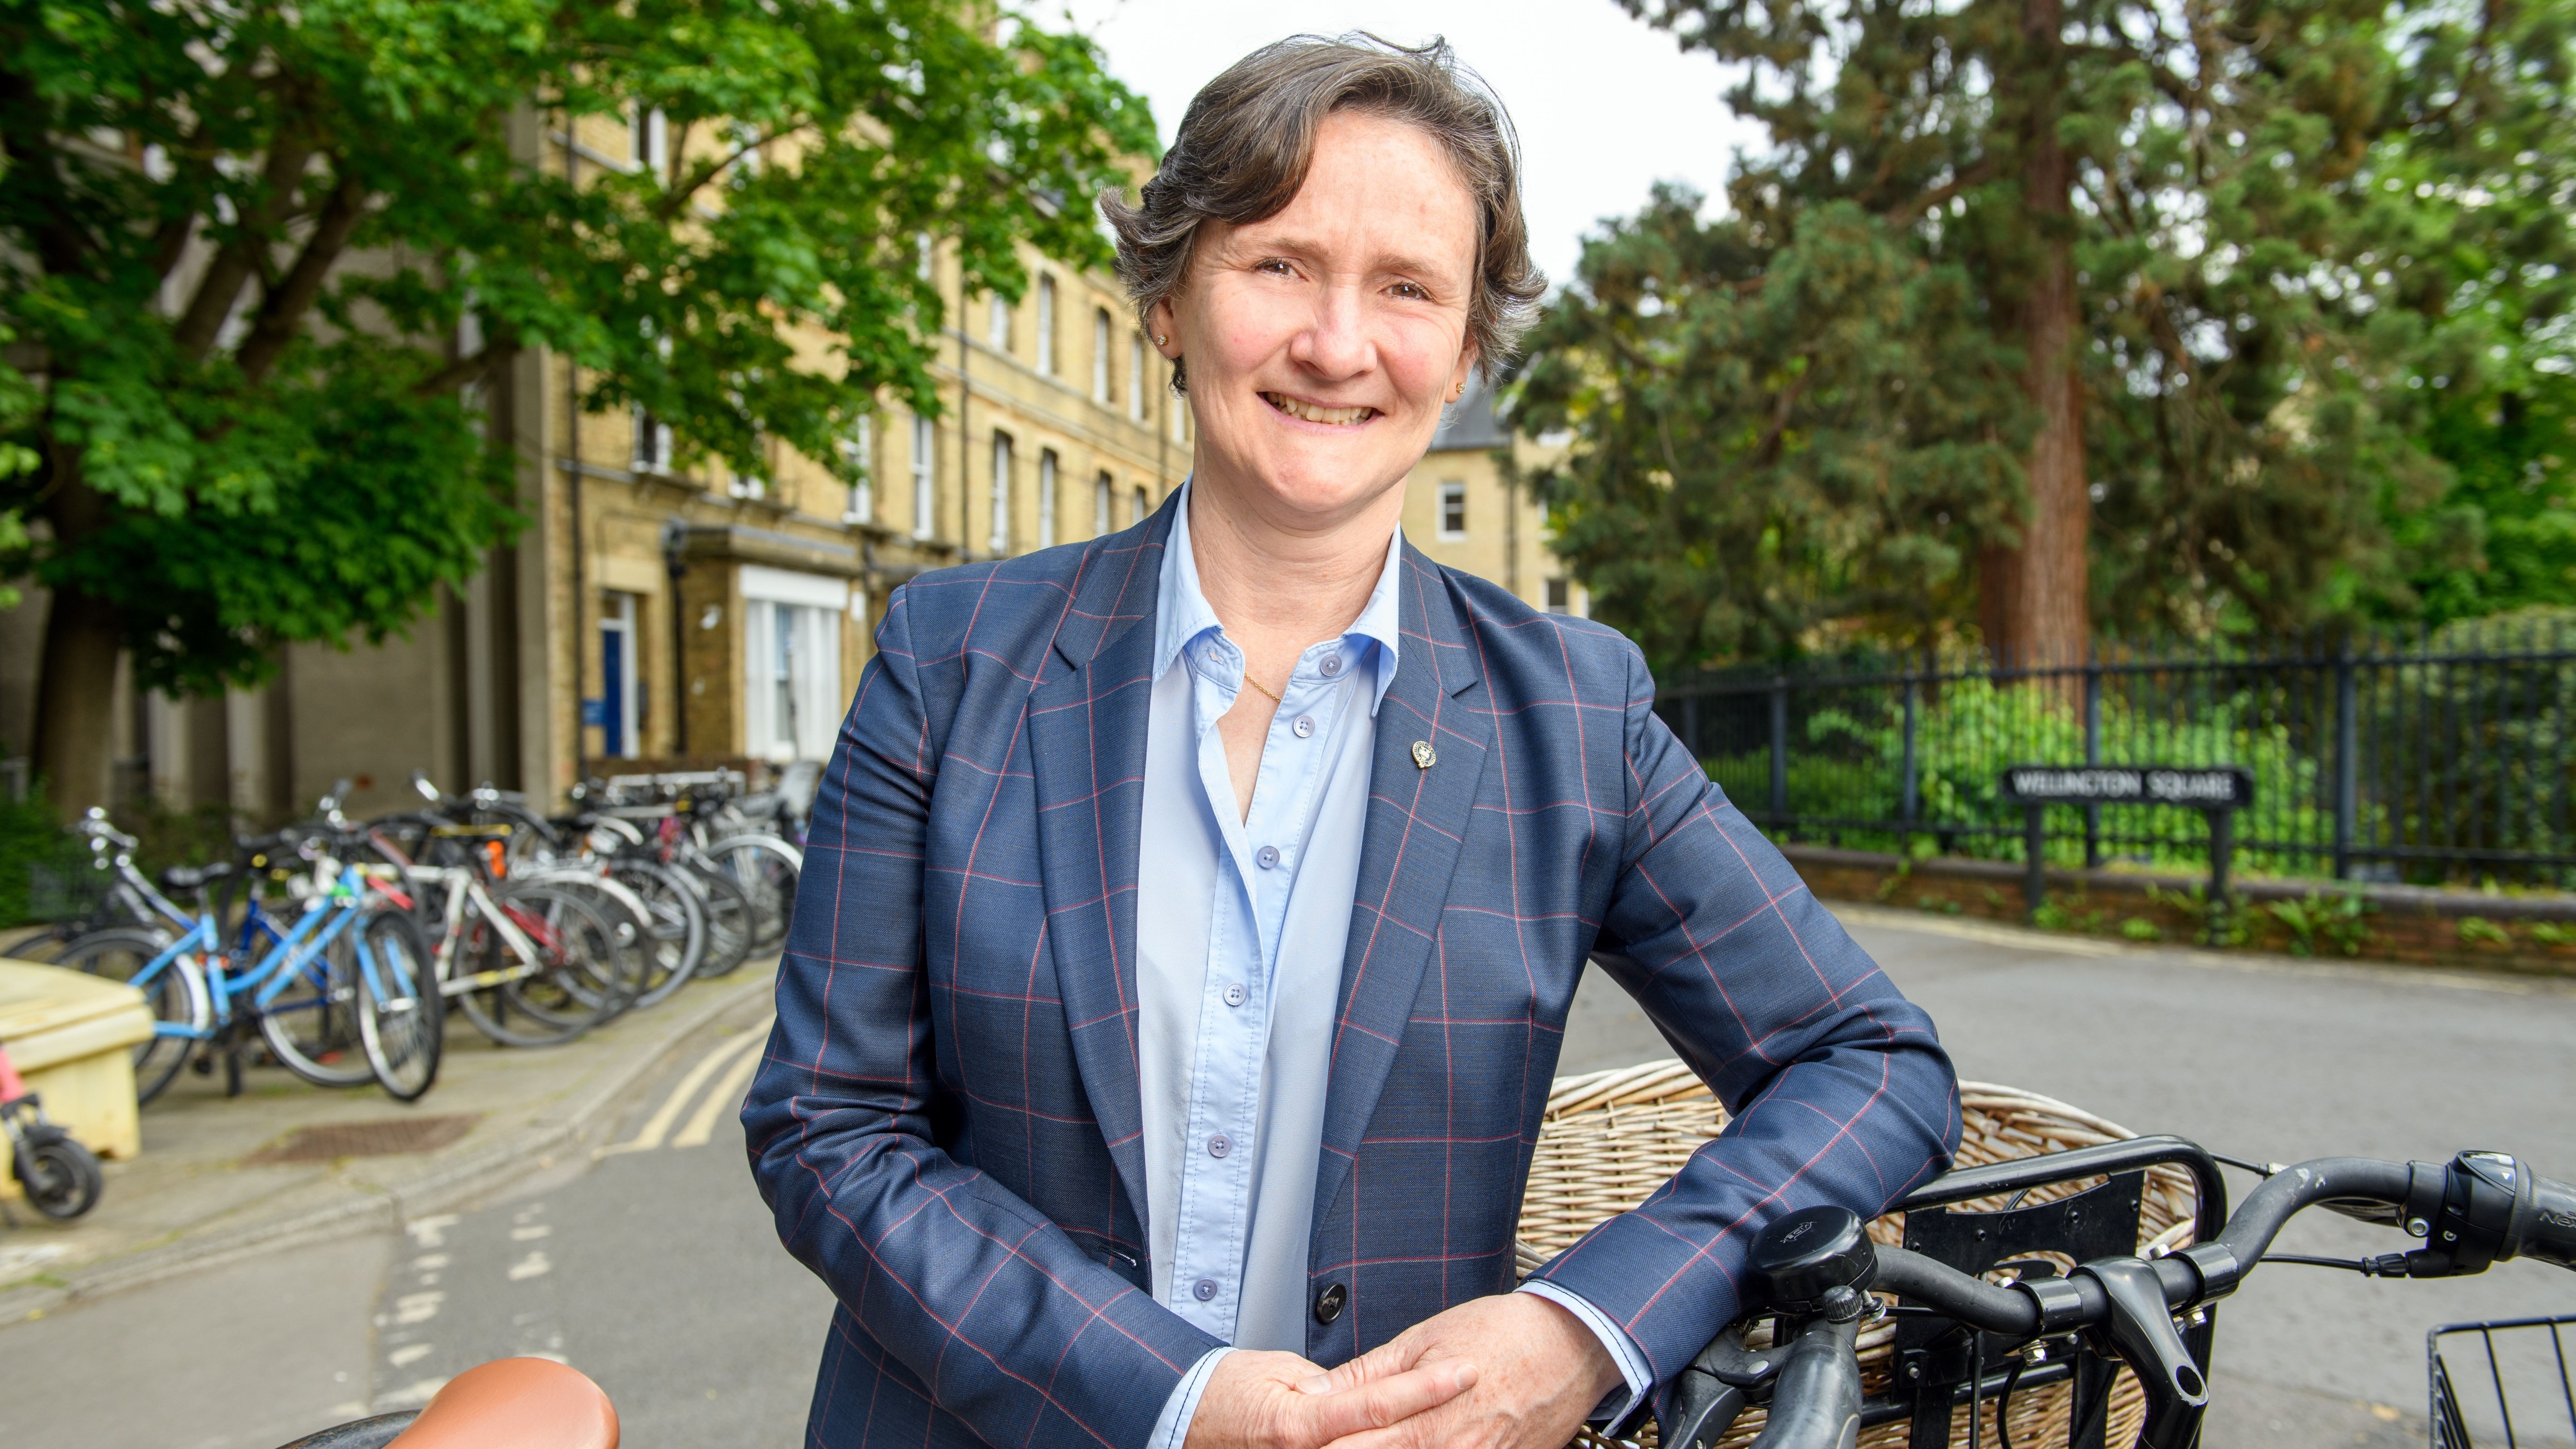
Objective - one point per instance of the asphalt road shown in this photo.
(653, 1267)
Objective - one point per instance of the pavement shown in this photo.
(635, 1248)
(220, 1178)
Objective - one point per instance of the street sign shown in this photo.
(2197, 787)
(2216, 791)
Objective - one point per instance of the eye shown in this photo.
(1275, 266)
(1410, 290)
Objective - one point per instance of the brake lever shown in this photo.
(1717, 1387)
(2141, 1330)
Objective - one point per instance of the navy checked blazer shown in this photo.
(946, 1120)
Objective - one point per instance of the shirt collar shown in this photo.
(1182, 612)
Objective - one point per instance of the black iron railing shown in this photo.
(2441, 756)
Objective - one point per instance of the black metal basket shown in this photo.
(2492, 1360)
(68, 886)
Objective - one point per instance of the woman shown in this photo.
(1192, 914)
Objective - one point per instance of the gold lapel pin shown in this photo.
(1423, 758)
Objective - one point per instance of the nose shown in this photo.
(1335, 344)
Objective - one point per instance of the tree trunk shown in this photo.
(76, 683)
(2033, 601)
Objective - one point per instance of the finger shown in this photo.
(1384, 1361)
(1381, 1402)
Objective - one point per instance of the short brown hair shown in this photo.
(1248, 138)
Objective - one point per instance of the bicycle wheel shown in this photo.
(565, 995)
(679, 940)
(311, 1021)
(62, 1179)
(766, 869)
(729, 926)
(177, 997)
(402, 1022)
(629, 966)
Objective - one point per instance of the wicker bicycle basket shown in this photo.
(1613, 1137)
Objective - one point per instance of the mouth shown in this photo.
(1309, 412)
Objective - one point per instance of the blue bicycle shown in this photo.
(336, 989)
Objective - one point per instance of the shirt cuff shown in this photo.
(1174, 1427)
(1618, 1404)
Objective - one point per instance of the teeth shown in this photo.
(1337, 416)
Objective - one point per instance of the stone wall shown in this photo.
(2329, 920)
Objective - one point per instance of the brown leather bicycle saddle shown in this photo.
(515, 1403)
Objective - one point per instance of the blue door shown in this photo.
(612, 677)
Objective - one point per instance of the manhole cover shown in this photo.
(381, 1138)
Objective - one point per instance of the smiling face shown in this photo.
(1322, 341)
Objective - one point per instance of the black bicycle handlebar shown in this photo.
(1815, 1266)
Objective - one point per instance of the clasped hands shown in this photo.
(1513, 1371)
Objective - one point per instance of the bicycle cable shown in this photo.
(2259, 1169)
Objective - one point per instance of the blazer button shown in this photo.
(1328, 1304)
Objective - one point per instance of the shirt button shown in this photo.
(1268, 856)
(1304, 726)
(1328, 1304)
(1220, 1145)
(1234, 994)
(1331, 666)
(1204, 1289)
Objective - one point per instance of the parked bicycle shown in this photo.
(335, 991)
(709, 822)
(530, 961)
(57, 1175)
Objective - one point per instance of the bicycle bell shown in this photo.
(1816, 1260)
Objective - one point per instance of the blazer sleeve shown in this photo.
(1010, 1325)
(1837, 1086)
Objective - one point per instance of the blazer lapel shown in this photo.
(1417, 816)
(1086, 723)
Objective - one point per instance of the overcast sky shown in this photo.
(1605, 106)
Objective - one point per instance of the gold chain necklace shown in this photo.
(1265, 689)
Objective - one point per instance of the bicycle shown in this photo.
(58, 1176)
(539, 942)
(1817, 1280)
(87, 885)
(704, 822)
(336, 1006)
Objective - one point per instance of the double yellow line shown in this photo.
(738, 1058)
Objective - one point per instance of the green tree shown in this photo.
(2223, 257)
(264, 260)
(2503, 536)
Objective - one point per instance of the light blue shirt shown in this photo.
(1241, 924)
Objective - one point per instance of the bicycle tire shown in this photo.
(630, 962)
(402, 1019)
(542, 1009)
(177, 997)
(729, 929)
(311, 1023)
(66, 1180)
(766, 868)
(679, 929)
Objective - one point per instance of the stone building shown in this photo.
(650, 615)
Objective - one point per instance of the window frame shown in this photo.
(925, 478)
(1046, 325)
(1453, 505)
(1048, 469)
(1005, 461)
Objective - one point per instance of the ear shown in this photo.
(1458, 374)
(1163, 330)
